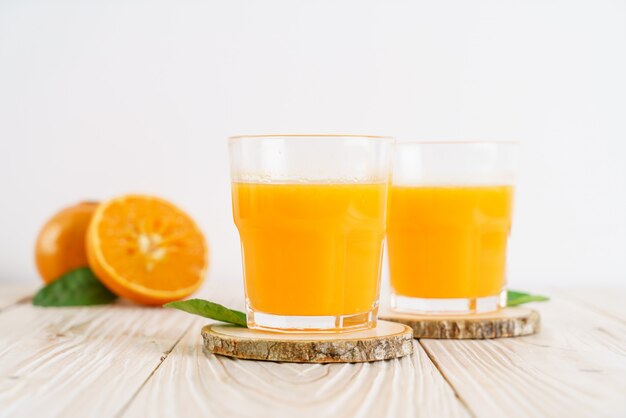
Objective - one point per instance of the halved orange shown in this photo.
(146, 249)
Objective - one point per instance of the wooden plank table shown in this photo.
(130, 361)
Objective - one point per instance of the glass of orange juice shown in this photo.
(450, 212)
(311, 215)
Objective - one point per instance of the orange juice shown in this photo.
(311, 249)
(448, 242)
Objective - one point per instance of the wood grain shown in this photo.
(11, 294)
(388, 340)
(111, 361)
(192, 382)
(575, 367)
(610, 302)
(508, 322)
(80, 361)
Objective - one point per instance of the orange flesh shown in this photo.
(146, 249)
(449, 242)
(311, 249)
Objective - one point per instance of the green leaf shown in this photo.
(514, 298)
(210, 310)
(77, 288)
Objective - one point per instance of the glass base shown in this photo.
(299, 324)
(433, 306)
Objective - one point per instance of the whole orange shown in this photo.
(60, 245)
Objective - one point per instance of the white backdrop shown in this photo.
(99, 98)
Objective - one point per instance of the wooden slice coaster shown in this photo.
(388, 340)
(508, 322)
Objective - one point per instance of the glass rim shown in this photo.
(235, 138)
(460, 142)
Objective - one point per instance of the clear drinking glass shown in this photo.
(311, 211)
(450, 215)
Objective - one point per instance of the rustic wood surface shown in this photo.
(509, 322)
(388, 340)
(604, 301)
(191, 383)
(129, 361)
(10, 294)
(575, 366)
